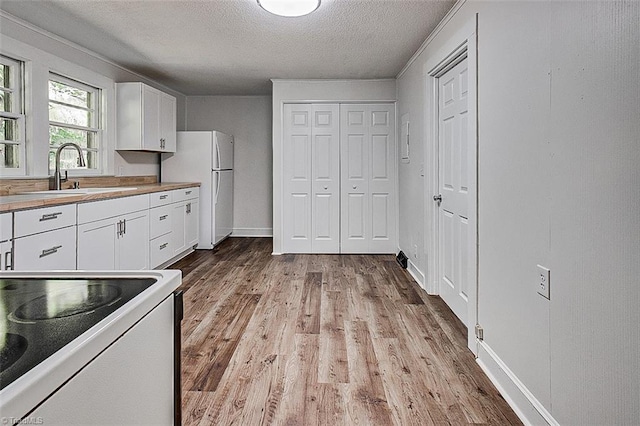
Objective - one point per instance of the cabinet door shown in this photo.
(53, 250)
(150, 116)
(6, 256)
(178, 230)
(168, 122)
(133, 244)
(191, 223)
(97, 245)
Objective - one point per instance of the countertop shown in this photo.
(11, 203)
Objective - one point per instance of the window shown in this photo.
(74, 116)
(12, 122)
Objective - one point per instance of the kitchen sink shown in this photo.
(81, 191)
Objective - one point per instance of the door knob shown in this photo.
(326, 187)
(355, 187)
(437, 198)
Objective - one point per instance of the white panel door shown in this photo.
(368, 178)
(297, 178)
(325, 171)
(454, 188)
(312, 178)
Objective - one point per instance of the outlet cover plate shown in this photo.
(544, 282)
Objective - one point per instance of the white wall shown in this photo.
(47, 51)
(314, 91)
(559, 185)
(248, 119)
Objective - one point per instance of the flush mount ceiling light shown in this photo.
(289, 8)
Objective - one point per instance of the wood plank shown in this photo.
(367, 398)
(333, 361)
(309, 316)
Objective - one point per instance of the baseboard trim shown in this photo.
(416, 273)
(252, 232)
(522, 401)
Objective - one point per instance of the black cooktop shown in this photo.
(40, 316)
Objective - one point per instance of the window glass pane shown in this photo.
(59, 135)
(9, 156)
(69, 95)
(69, 115)
(9, 129)
(69, 159)
(5, 101)
(4, 75)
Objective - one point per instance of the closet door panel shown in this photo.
(297, 175)
(355, 148)
(325, 218)
(382, 182)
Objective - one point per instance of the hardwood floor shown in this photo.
(322, 340)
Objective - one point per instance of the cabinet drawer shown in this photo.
(160, 198)
(47, 250)
(160, 250)
(159, 221)
(185, 194)
(6, 226)
(30, 222)
(98, 210)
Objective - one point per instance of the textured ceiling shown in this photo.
(233, 47)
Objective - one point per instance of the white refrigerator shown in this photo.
(205, 157)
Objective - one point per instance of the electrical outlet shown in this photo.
(544, 282)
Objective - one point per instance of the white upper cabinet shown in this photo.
(146, 118)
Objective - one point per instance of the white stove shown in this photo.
(57, 331)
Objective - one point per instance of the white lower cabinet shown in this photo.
(174, 224)
(6, 241)
(6, 255)
(46, 251)
(45, 239)
(120, 241)
(184, 229)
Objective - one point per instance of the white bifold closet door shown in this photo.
(368, 157)
(311, 204)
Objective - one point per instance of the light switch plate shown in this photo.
(544, 282)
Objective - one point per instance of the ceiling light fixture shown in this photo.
(289, 8)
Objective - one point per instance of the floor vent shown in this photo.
(402, 259)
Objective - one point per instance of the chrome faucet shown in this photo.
(56, 181)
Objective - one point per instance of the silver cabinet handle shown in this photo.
(163, 197)
(50, 251)
(437, 198)
(50, 216)
(163, 246)
(188, 208)
(187, 192)
(124, 226)
(163, 217)
(8, 260)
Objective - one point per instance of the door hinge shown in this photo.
(479, 332)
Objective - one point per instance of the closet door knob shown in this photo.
(355, 187)
(326, 187)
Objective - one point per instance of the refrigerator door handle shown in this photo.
(218, 165)
(217, 186)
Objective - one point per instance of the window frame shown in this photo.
(17, 89)
(96, 125)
